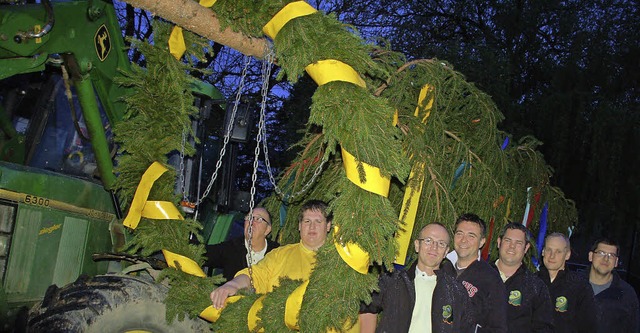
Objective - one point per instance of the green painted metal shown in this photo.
(87, 30)
(51, 247)
(97, 135)
(51, 185)
(221, 228)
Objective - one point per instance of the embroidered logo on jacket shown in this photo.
(471, 289)
(562, 304)
(515, 298)
(447, 314)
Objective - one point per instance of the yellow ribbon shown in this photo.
(252, 315)
(212, 314)
(325, 71)
(506, 216)
(292, 306)
(286, 14)
(140, 207)
(186, 264)
(403, 236)
(374, 181)
(177, 47)
(353, 255)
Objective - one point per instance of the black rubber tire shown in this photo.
(107, 304)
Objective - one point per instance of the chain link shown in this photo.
(227, 135)
(266, 74)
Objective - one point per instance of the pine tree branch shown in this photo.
(201, 20)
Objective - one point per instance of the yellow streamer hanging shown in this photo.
(403, 236)
(212, 314)
(140, 207)
(187, 265)
(293, 305)
(325, 71)
(286, 14)
(252, 315)
(374, 181)
(353, 255)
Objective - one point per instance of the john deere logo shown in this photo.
(515, 298)
(102, 42)
(447, 314)
(562, 304)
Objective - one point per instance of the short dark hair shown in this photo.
(605, 241)
(318, 205)
(516, 226)
(470, 217)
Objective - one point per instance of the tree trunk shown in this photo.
(201, 20)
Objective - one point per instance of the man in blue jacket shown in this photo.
(529, 303)
(616, 301)
(421, 298)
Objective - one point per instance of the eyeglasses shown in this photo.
(429, 241)
(608, 255)
(258, 219)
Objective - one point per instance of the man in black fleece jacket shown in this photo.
(529, 304)
(484, 287)
(571, 295)
(421, 298)
(616, 301)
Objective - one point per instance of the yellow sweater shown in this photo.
(293, 261)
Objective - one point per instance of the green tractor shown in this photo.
(58, 105)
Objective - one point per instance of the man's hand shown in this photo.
(219, 295)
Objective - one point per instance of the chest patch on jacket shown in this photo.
(515, 298)
(562, 304)
(471, 289)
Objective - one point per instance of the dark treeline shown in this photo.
(564, 71)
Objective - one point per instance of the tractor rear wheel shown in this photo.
(109, 304)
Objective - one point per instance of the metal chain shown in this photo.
(182, 178)
(227, 135)
(266, 75)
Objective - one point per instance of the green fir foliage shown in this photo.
(273, 306)
(188, 294)
(233, 317)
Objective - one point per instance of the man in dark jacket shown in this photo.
(483, 284)
(232, 255)
(571, 295)
(421, 298)
(616, 301)
(529, 308)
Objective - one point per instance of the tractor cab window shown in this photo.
(45, 129)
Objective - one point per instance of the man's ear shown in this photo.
(567, 256)
(328, 226)
(590, 256)
(416, 245)
(526, 247)
(482, 241)
(267, 230)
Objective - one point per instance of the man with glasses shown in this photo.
(232, 255)
(421, 298)
(294, 261)
(529, 303)
(571, 295)
(616, 301)
(483, 284)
